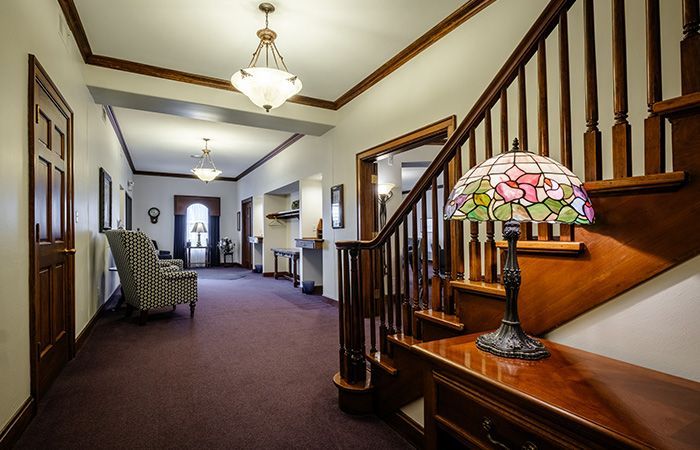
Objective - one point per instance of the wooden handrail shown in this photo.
(544, 24)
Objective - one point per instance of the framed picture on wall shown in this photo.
(105, 200)
(337, 213)
(238, 220)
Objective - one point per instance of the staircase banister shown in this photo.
(544, 24)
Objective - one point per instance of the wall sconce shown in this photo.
(384, 193)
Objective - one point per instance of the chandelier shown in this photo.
(267, 87)
(205, 170)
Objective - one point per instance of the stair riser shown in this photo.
(393, 392)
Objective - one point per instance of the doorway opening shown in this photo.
(197, 233)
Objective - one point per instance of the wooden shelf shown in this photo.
(548, 247)
(309, 243)
(663, 181)
(284, 215)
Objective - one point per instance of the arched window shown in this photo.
(197, 213)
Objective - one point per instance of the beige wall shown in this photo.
(33, 27)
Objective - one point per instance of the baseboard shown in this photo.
(279, 274)
(330, 301)
(406, 427)
(82, 337)
(19, 422)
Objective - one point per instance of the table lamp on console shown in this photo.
(199, 228)
(513, 187)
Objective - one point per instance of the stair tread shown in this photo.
(558, 247)
(676, 104)
(383, 361)
(439, 317)
(480, 287)
(404, 340)
(668, 180)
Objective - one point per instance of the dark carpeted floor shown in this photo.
(252, 370)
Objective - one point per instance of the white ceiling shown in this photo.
(163, 142)
(330, 44)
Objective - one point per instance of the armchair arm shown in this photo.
(180, 275)
(166, 269)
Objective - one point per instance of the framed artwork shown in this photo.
(238, 220)
(105, 200)
(337, 212)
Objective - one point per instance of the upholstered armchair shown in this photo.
(147, 282)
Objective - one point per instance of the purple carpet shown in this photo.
(253, 369)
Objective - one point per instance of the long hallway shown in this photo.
(252, 370)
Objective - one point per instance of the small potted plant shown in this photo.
(226, 247)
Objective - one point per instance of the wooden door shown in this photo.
(246, 233)
(52, 319)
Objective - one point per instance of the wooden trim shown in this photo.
(458, 17)
(479, 287)
(187, 77)
(550, 247)
(178, 175)
(631, 185)
(36, 73)
(444, 27)
(85, 334)
(416, 138)
(120, 137)
(19, 422)
(383, 362)
(182, 202)
(677, 104)
(446, 320)
(276, 151)
(70, 12)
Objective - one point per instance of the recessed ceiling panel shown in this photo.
(331, 44)
(163, 142)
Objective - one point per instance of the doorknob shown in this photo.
(69, 251)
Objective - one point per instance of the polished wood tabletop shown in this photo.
(644, 405)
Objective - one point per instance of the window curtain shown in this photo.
(214, 240)
(179, 236)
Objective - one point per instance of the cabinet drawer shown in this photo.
(481, 422)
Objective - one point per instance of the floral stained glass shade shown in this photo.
(521, 186)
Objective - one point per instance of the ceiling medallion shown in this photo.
(267, 87)
(205, 170)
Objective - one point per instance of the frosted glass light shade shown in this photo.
(266, 87)
(206, 174)
(385, 188)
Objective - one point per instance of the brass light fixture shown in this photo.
(267, 87)
(205, 170)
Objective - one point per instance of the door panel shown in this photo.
(51, 230)
(247, 232)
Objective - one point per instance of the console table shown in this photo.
(293, 255)
(188, 260)
(573, 399)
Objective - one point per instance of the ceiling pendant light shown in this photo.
(267, 87)
(205, 170)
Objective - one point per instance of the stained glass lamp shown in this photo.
(514, 187)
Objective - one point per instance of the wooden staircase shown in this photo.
(642, 222)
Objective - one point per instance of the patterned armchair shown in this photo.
(147, 282)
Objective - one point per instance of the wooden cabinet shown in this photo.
(309, 243)
(573, 399)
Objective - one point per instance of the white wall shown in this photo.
(160, 192)
(33, 27)
(311, 193)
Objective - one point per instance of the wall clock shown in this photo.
(153, 213)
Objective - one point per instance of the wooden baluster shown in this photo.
(398, 302)
(447, 242)
(407, 305)
(436, 291)
(544, 230)
(348, 309)
(566, 232)
(415, 273)
(591, 139)
(341, 315)
(356, 368)
(505, 145)
(379, 287)
(490, 253)
(425, 299)
(654, 130)
(621, 131)
(690, 48)
(389, 289)
(474, 244)
(525, 228)
(457, 225)
(373, 304)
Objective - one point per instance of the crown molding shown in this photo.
(276, 151)
(458, 17)
(120, 137)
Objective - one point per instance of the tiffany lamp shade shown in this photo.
(513, 187)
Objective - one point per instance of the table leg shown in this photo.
(295, 263)
(275, 274)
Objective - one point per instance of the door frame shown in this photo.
(367, 217)
(37, 74)
(245, 244)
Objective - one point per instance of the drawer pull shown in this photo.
(487, 425)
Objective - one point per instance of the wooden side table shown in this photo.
(189, 256)
(293, 255)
